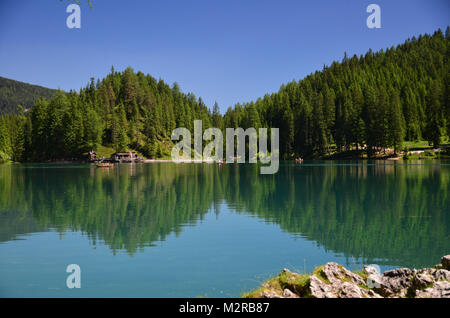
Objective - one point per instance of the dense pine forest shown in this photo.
(377, 100)
(124, 111)
(366, 103)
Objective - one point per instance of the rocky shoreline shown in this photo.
(335, 281)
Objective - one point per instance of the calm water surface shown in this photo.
(187, 230)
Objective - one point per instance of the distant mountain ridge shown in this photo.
(14, 93)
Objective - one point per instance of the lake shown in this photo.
(200, 230)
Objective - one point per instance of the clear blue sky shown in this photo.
(225, 50)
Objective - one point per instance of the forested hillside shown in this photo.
(369, 102)
(126, 110)
(14, 93)
(377, 100)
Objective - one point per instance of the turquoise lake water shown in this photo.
(190, 230)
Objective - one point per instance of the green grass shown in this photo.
(443, 154)
(421, 144)
(294, 279)
(321, 275)
(362, 273)
(297, 283)
(103, 151)
(427, 153)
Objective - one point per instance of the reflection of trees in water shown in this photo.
(381, 213)
(127, 208)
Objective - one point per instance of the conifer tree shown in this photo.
(396, 122)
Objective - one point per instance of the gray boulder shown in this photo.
(439, 290)
(289, 294)
(394, 281)
(269, 294)
(422, 281)
(442, 274)
(336, 281)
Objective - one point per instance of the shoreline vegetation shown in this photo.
(335, 281)
(359, 107)
(412, 151)
(434, 155)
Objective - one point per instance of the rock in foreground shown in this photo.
(335, 281)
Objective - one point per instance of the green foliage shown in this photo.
(124, 111)
(318, 271)
(373, 101)
(14, 95)
(5, 142)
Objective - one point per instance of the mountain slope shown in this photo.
(124, 111)
(14, 93)
(370, 102)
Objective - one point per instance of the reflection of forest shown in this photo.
(387, 214)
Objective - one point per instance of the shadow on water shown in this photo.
(384, 213)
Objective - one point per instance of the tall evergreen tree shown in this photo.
(5, 143)
(396, 122)
(434, 115)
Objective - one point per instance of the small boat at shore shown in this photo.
(104, 165)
